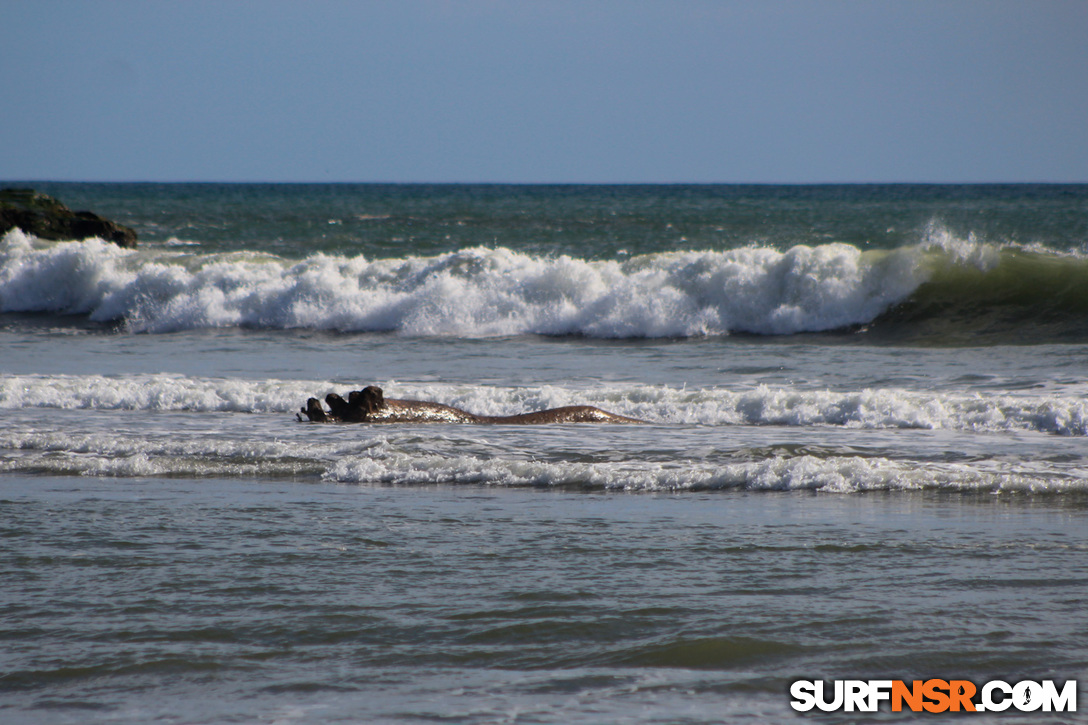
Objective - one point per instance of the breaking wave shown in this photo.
(941, 287)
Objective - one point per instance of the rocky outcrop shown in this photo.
(45, 217)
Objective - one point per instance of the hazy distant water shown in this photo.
(865, 453)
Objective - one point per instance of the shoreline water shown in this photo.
(339, 603)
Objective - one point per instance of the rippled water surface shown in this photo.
(205, 601)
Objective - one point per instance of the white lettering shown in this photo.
(879, 690)
(996, 705)
(803, 697)
(834, 704)
(1027, 696)
(1065, 701)
(856, 695)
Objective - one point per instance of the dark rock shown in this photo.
(45, 217)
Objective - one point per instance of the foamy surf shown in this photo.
(869, 409)
(487, 292)
(476, 292)
(836, 474)
(400, 458)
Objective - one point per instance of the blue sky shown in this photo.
(548, 91)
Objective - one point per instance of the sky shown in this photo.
(547, 91)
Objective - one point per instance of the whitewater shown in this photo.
(1062, 414)
(476, 292)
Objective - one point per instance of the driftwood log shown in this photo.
(370, 405)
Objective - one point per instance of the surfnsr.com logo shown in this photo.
(934, 696)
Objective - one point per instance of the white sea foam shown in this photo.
(837, 474)
(692, 456)
(473, 292)
(760, 406)
(160, 392)
(176, 453)
(406, 459)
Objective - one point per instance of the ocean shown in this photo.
(865, 452)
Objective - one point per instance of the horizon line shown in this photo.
(539, 183)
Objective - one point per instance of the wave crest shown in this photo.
(473, 292)
(942, 287)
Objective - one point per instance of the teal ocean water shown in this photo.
(865, 451)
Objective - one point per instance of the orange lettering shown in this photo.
(912, 696)
(961, 692)
(933, 690)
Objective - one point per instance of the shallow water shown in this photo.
(213, 600)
